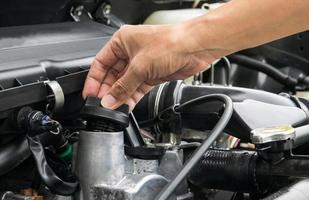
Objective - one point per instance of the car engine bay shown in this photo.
(237, 131)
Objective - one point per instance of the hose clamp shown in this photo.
(58, 94)
(156, 107)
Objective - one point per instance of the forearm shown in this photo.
(139, 57)
(242, 24)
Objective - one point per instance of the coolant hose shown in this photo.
(268, 69)
(197, 155)
(232, 170)
(13, 154)
(244, 171)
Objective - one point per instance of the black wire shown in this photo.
(217, 130)
(196, 101)
(177, 109)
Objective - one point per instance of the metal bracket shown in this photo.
(79, 13)
(57, 91)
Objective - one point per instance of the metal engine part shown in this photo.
(101, 166)
(298, 190)
(11, 196)
(105, 172)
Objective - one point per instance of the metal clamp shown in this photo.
(156, 107)
(272, 134)
(57, 91)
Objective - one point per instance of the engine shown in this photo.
(238, 131)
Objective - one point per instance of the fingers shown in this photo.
(155, 82)
(112, 75)
(104, 60)
(125, 86)
(138, 95)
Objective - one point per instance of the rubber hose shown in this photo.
(268, 69)
(13, 154)
(231, 170)
(240, 170)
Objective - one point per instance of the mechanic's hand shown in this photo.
(139, 57)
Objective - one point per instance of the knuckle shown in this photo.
(125, 27)
(97, 64)
(117, 48)
(114, 72)
(117, 44)
(123, 31)
(138, 71)
(120, 90)
(139, 67)
(144, 89)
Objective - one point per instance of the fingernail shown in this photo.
(84, 95)
(108, 101)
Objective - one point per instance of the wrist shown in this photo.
(203, 34)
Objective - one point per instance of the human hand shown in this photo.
(140, 57)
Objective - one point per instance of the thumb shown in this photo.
(124, 87)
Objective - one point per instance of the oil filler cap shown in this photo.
(94, 111)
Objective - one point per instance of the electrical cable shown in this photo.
(197, 155)
(176, 108)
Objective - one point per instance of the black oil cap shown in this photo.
(104, 119)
